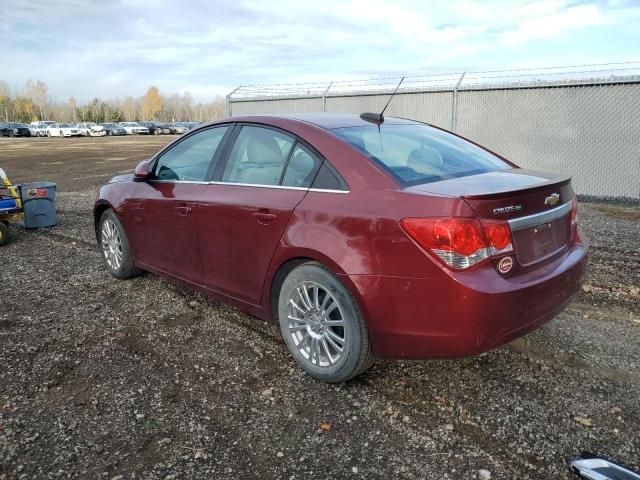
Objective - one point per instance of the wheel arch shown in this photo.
(98, 209)
(283, 265)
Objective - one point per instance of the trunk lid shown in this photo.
(537, 206)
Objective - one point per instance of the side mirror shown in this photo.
(141, 173)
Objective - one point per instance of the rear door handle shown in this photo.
(264, 217)
(184, 210)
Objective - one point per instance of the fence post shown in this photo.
(227, 103)
(454, 104)
(324, 97)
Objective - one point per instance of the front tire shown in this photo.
(322, 325)
(114, 246)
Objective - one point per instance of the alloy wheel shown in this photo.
(111, 244)
(316, 324)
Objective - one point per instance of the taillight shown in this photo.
(574, 212)
(460, 243)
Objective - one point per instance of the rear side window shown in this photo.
(416, 154)
(301, 168)
(189, 160)
(328, 179)
(258, 157)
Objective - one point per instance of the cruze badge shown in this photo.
(552, 199)
(510, 208)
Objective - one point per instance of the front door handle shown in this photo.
(184, 210)
(264, 217)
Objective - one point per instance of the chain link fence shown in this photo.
(576, 120)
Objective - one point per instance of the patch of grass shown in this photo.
(621, 213)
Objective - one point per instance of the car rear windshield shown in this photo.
(415, 154)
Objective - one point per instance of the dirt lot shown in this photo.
(101, 378)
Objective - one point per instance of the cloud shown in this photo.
(93, 48)
(546, 22)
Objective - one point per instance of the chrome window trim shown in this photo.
(179, 181)
(522, 223)
(328, 190)
(257, 185)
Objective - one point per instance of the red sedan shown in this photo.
(398, 240)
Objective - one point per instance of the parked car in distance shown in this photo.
(360, 236)
(13, 129)
(44, 123)
(91, 129)
(62, 130)
(113, 129)
(35, 130)
(157, 128)
(178, 128)
(134, 128)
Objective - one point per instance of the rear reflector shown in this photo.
(460, 243)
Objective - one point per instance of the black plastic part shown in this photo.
(328, 179)
(375, 118)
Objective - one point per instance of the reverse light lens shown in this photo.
(460, 243)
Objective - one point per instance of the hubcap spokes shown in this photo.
(316, 324)
(111, 244)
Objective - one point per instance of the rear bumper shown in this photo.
(449, 316)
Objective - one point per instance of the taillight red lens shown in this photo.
(458, 235)
(460, 242)
(498, 233)
(574, 211)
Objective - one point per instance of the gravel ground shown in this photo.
(102, 378)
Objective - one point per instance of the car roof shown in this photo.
(326, 120)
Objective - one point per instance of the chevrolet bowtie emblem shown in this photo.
(552, 199)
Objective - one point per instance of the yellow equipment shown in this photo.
(10, 205)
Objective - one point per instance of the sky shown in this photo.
(115, 48)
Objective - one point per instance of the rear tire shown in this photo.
(114, 245)
(11, 133)
(324, 331)
(4, 233)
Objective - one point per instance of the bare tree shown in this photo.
(5, 99)
(73, 105)
(39, 93)
(129, 108)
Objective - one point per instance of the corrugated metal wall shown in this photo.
(589, 131)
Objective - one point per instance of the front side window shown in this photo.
(258, 156)
(416, 154)
(189, 160)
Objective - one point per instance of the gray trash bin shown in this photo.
(39, 204)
